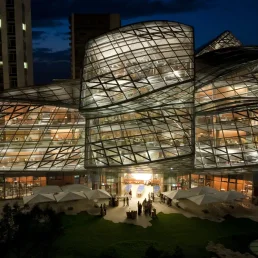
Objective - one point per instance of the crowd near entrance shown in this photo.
(119, 184)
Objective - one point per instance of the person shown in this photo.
(124, 201)
(127, 201)
(130, 194)
(153, 197)
(150, 208)
(105, 209)
(101, 210)
(138, 207)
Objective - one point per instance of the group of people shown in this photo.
(147, 206)
(166, 200)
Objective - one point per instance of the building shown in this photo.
(148, 108)
(16, 63)
(84, 27)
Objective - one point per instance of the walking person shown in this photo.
(140, 208)
(124, 201)
(130, 194)
(127, 201)
(101, 210)
(105, 209)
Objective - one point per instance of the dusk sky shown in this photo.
(208, 17)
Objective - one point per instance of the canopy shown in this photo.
(75, 188)
(178, 194)
(97, 194)
(69, 196)
(204, 199)
(46, 189)
(203, 190)
(229, 196)
(38, 198)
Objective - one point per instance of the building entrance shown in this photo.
(141, 184)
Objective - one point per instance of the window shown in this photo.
(11, 43)
(12, 57)
(12, 70)
(24, 26)
(0, 23)
(11, 29)
(13, 83)
(10, 15)
(1, 62)
(25, 65)
(9, 2)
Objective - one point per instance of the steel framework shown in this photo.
(137, 94)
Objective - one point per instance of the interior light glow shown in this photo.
(177, 74)
(25, 65)
(24, 26)
(141, 176)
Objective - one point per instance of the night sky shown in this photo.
(209, 18)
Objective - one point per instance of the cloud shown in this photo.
(41, 22)
(63, 35)
(46, 55)
(38, 35)
(49, 65)
(48, 13)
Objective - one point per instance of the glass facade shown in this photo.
(146, 104)
(35, 137)
(137, 94)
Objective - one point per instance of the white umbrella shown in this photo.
(229, 196)
(178, 194)
(97, 194)
(46, 189)
(39, 198)
(204, 199)
(202, 190)
(75, 188)
(69, 196)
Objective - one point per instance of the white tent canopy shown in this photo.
(75, 188)
(38, 198)
(97, 194)
(229, 196)
(204, 199)
(203, 190)
(46, 189)
(69, 196)
(178, 194)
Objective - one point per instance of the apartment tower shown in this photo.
(16, 63)
(84, 27)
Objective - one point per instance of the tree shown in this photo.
(27, 234)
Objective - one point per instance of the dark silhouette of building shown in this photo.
(84, 27)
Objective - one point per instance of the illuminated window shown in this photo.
(0, 23)
(25, 65)
(1, 62)
(24, 26)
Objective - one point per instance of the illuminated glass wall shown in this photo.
(35, 137)
(137, 94)
(226, 109)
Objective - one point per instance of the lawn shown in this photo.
(88, 236)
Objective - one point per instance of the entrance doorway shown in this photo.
(141, 184)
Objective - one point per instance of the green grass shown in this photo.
(88, 236)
